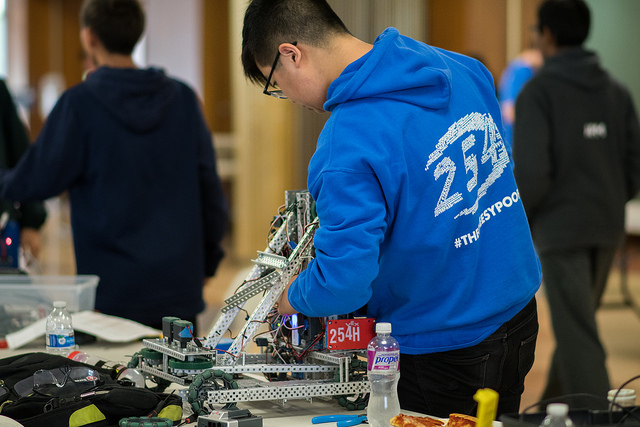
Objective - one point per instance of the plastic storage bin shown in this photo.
(25, 299)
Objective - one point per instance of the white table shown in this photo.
(294, 413)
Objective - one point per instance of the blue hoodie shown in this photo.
(420, 217)
(147, 209)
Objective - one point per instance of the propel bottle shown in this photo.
(383, 370)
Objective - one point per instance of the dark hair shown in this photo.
(568, 21)
(118, 24)
(268, 23)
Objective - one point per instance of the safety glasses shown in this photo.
(48, 380)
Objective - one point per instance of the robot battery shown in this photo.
(230, 418)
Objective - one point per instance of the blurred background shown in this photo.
(264, 145)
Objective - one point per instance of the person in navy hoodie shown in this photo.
(420, 216)
(133, 150)
(576, 150)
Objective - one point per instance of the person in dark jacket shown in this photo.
(14, 141)
(132, 148)
(577, 162)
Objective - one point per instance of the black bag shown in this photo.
(38, 389)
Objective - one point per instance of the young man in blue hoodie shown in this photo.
(132, 148)
(577, 161)
(420, 217)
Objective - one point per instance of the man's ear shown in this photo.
(547, 36)
(290, 52)
(88, 37)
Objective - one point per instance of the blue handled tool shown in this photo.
(342, 420)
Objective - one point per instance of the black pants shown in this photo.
(574, 281)
(439, 384)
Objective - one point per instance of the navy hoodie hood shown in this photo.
(138, 98)
(578, 67)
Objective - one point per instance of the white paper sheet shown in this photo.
(25, 335)
(108, 328)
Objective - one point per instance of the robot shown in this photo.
(299, 357)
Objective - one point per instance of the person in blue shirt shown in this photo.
(133, 150)
(517, 73)
(420, 217)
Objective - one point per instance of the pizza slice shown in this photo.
(402, 420)
(455, 420)
(461, 420)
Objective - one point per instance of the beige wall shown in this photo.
(263, 136)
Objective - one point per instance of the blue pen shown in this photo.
(342, 420)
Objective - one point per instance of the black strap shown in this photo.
(145, 422)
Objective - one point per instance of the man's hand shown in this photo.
(283, 303)
(30, 241)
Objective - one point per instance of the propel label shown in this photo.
(383, 361)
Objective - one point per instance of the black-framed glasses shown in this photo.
(277, 92)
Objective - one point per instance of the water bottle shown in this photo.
(383, 369)
(557, 416)
(621, 398)
(118, 371)
(59, 335)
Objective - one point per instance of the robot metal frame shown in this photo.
(221, 378)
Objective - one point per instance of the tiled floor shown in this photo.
(619, 325)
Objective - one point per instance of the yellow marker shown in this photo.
(487, 406)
